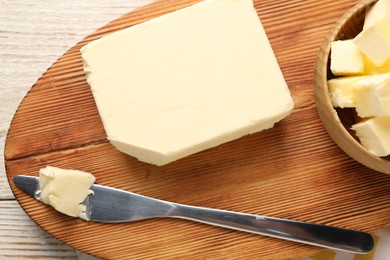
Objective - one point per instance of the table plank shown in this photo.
(20, 237)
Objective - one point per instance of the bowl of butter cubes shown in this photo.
(352, 83)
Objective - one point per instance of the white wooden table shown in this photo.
(33, 34)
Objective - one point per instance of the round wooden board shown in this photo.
(293, 170)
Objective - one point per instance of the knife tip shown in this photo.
(28, 184)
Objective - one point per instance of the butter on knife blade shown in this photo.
(111, 205)
(65, 190)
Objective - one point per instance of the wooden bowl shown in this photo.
(337, 121)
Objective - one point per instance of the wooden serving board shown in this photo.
(293, 170)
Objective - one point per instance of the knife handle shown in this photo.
(308, 233)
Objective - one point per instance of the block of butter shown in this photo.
(65, 190)
(186, 81)
(342, 91)
(372, 95)
(378, 11)
(346, 58)
(374, 42)
(374, 134)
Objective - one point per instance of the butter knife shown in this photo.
(113, 205)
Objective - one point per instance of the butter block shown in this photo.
(186, 81)
(374, 135)
(342, 92)
(374, 42)
(372, 95)
(65, 190)
(346, 58)
(380, 10)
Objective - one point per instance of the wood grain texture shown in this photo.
(292, 171)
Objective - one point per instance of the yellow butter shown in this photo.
(346, 58)
(374, 42)
(186, 81)
(374, 135)
(371, 69)
(369, 93)
(372, 95)
(341, 91)
(380, 10)
(65, 190)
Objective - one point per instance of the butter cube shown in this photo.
(378, 11)
(186, 81)
(372, 95)
(374, 42)
(374, 135)
(342, 92)
(346, 58)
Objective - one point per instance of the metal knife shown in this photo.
(113, 205)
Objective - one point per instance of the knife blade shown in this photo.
(112, 205)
